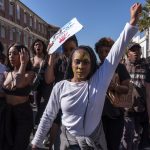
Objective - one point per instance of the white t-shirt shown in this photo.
(72, 98)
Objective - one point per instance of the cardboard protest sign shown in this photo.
(63, 34)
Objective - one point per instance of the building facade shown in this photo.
(144, 40)
(20, 24)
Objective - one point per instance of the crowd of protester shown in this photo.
(69, 91)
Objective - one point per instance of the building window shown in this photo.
(18, 36)
(30, 21)
(10, 9)
(25, 17)
(18, 12)
(3, 32)
(43, 28)
(34, 23)
(39, 28)
(30, 41)
(11, 35)
(26, 39)
(2, 4)
(5, 48)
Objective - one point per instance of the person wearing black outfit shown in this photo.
(41, 90)
(112, 117)
(2, 96)
(17, 86)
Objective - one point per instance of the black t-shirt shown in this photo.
(59, 72)
(60, 68)
(147, 79)
(43, 88)
(109, 110)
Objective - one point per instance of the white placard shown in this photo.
(68, 30)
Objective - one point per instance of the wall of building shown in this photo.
(20, 24)
(144, 40)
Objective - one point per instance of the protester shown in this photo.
(2, 56)
(17, 86)
(81, 96)
(136, 119)
(148, 94)
(112, 117)
(41, 90)
(2, 107)
(57, 68)
(2, 104)
(62, 62)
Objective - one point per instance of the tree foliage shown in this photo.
(144, 21)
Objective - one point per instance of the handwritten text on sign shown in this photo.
(63, 34)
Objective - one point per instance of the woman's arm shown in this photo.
(122, 80)
(110, 64)
(135, 11)
(49, 73)
(23, 78)
(121, 88)
(48, 117)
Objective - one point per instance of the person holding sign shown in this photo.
(81, 96)
(57, 68)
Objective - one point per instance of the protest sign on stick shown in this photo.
(68, 30)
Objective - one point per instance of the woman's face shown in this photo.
(14, 57)
(38, 47)
(103, 52)
(81, 65)
(68, 47)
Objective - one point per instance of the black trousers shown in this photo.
(113, 129)
(18, 126)
(2, 121)
(41, 105)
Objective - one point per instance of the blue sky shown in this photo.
(99, 18)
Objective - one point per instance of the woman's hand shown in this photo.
(113, 86)
(50, 56)
(120, 88)
(52, 59)
(24, 56)
(135, 12)
(49, 46)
